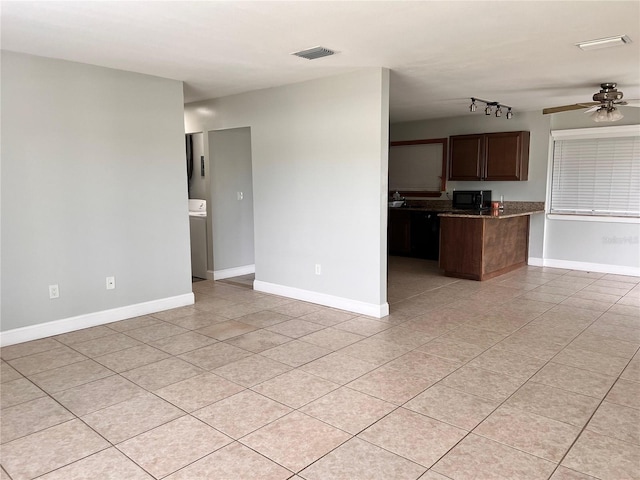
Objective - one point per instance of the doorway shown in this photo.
(198, 193)
(231, 193)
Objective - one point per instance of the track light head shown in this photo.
(499, 111)
(473, 107)
(509, 114)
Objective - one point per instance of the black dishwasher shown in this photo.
(425, 235)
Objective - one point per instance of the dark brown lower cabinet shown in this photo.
(414, 233)
(399, 232)
(484, 247)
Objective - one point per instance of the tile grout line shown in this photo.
(593, 414)
(501, 404)
(377, 367)
(419, 393)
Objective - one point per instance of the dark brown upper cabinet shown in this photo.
(489, 156)
(466, 158)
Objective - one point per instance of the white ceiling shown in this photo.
(520, 53)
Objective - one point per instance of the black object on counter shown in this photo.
(472, 199)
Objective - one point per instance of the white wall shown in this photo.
(93, 185)
(319, 153)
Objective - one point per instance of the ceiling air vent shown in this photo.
(313, 53)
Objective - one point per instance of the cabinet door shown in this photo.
(506, 156)
(466, 158)
(399, 232)
(425, 235)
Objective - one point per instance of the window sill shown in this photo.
(592, 218)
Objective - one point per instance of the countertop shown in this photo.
(444, 209)
(417, 208)
(493, 214)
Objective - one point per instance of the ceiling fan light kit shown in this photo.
(489, 107)
(606, 114)
(604, 107)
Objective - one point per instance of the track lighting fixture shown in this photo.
(489, 107)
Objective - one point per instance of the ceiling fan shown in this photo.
(603, 108)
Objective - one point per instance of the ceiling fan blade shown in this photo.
(566, 108)
(634, 102)
(592, 109)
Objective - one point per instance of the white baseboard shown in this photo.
(586, 267)
(233, 272)
(56, 327)
(535, 262)
(363, 308)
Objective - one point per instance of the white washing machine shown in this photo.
(198, 229)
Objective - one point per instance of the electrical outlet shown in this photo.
(54, 291)
(240, 195)
(111, 283)
(318, 269)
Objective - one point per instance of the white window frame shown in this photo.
(583, 133)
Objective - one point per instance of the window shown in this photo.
(596, 171)
(417, 167)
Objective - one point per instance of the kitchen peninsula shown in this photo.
(483, 245)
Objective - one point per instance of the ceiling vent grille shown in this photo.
(313, 53)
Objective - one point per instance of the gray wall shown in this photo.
(538, 124)
(578, 119)
(594, 242)
(199, 184)
(319, 152)
(554, 240)
(533, 190)
(93, 185)
(602, 243)
(232, 219)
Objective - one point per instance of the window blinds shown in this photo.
(596, 176)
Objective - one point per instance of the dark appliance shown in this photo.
(425, 235)
(472, 200)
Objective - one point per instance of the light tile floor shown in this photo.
(532, 375)
(241, 281)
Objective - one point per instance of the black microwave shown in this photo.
(472, 199)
